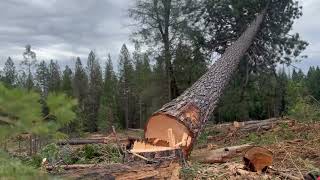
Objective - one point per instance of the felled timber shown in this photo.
(251, 126)
(71, 166)
(164, 170)
(189, 112)
(96, 141)
(221, 155)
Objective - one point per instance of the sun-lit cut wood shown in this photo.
(140, 147)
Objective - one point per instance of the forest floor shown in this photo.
(295, 147)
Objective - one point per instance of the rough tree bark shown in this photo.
(189, 112)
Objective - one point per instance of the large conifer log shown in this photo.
(189, 112)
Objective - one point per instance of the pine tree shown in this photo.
(94, 93)
(108, 113)
(66, 84)
(54, 76)
(80, 91)
(42, 78)
(9, 72)
(126, 84)
(313, 82)
(188, 65)
(29, 61)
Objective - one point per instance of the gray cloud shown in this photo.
(308, 26)
(62, 30)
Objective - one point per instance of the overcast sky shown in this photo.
(64, 29)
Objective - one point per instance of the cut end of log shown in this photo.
(257, 159)
(163, 128)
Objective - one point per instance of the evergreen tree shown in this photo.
(142, 89)
(94, 93)
(9, 73)
(313, 82)
(54, 76)
(297, 76)
(42, 78)
(108, 113)
(80, 91)
(29, 61)
(126, 84)
(188, 66)
(66, 84)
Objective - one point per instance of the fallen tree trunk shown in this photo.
(221, 155)
(165, 170)
(71, 166)
(189, 112)
(250, 126)
(95, 141)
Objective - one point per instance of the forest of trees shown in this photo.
(179, 40)
(128, 97)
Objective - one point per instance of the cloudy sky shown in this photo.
(64, 29)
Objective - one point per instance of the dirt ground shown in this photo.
(296, 152)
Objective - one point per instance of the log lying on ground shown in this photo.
(251, 126)
(71, 166)
(165, 170)
(221, 155)
(189, 112)
(95, 141)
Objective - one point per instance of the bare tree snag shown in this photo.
(221, 155)
(189, 112)
(258, 159)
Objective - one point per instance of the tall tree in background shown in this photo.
(313, 82)
(66, 82)
(80, 90)
(297, 76)
(94, 92)
(29, 61)
(126, 83)
(42, 78)
(9, 73)
(158, 24)
(108, 112)
(188, 66)
(54, 76)
(142, 86)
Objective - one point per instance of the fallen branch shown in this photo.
(71, 166)
(221, 155)
(282, 174)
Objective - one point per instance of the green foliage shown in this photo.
(51, 152)
(66, 84)
(190, 172)
(11, 168)
(96, 153)
(9, 72)
(20, 111)
(305, 109)
(92, 101)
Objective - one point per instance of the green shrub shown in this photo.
(12, 168)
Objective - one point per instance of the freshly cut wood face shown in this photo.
(141, 147)
(168, 129)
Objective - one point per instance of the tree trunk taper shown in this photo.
(188, 113)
